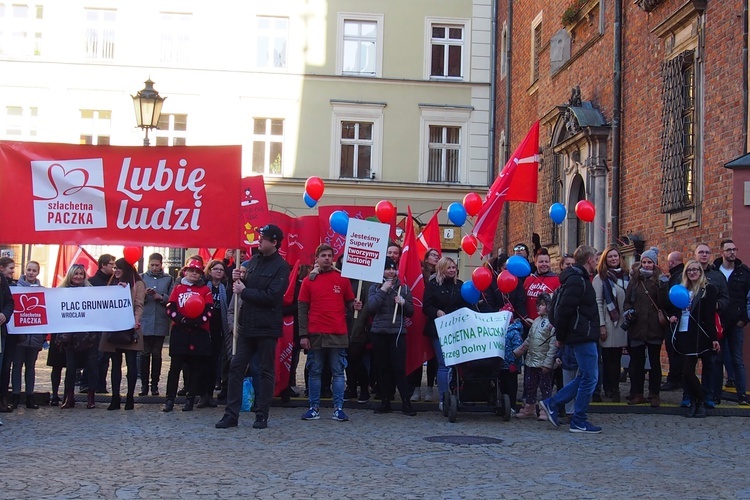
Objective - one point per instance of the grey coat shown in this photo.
(381, 304)
(154, 321)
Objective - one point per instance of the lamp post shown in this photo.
(147, 103)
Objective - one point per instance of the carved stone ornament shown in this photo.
(647, 5)
(571, 123)
(575, 97)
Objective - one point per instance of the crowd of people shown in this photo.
(568, 331)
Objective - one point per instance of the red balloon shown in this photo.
(472, 204)
(385, 211)
(469, 244)
(194, 306)
(585, 211)
(482, 278)
(132, 254)
(314, 187)
(506, 281)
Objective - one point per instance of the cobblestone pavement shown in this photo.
(79, 453)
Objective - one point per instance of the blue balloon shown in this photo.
(470, 293)
(518, 266)
(309, 201)
(339, 221)
(679, 296)
(457, 214)
(557, 213)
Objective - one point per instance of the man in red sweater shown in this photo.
(542, 281)
(323, 300)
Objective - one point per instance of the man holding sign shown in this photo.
(322, 329)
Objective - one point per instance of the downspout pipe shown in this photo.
(493, 98)
(508, 87)
(745, 77)
(616, 120)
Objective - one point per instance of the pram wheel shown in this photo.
(446, 402)
(452, 409)
(506, 408)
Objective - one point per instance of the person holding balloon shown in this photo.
(543, 280)
(506, 291)
(443, 295)
(125, 275)
(692, 317)
(189, 307)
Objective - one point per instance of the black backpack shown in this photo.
(552, 310)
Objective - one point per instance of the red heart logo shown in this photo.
(71, 181)
(27, 303)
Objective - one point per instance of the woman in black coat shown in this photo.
(694, 331)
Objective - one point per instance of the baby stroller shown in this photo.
(475, 386)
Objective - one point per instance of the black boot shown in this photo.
(406, 408)
(189, 402)
(115, 404)
(129, 403)
(14, 400)
(145, 365)
(30, 403)
(4, 406)
(144, 390)
(55, 400)
(155, 377)
(385, 407)
(168, 406)
(91, 399)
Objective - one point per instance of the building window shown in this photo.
(444, 154)
(21, 121)
(360, 50)
(268, 143)
(172, 130)
(272, 34)
(446, 49)
(21, 30)
(444, 139)
(96, 127)
(99, 42)
(357, 144)
(504, 51)
(175, 37)
(678, 155)
(536, 47)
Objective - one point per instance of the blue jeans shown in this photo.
(582, 387)
(443, 372)
(337, 360)
(735, 337)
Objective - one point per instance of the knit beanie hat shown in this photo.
(653, 254)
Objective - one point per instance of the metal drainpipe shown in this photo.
(616, 115)
(744, 76)
(493, 97)
(506, 153)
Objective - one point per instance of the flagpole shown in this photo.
(236, 306)
(395, 309)
(359, 294)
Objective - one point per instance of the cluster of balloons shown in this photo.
(584, 210)
(457, 212)
(314, 188)
(507, 281)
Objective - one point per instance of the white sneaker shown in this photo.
(417, 394)
(440, 406)
(428, 394)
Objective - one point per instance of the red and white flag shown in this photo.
(67, 255)
(516, 182)
(430, 236)
(418, 347)
(285, 345)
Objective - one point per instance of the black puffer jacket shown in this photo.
(266, 281)
(445, 297)
(738, 286)
(577, 314)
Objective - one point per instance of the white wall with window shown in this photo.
(444, 144)
(357, 140)
(175, 29)
(271, 40)
(359, 49)
(447, 43)
(21, 29)
(172, 130)
(268, 146)
(99, 33)
(96, 127)
(20, 122)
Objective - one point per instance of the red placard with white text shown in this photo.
(185, 196)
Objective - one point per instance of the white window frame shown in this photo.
(267, 138)
(26, 123)
(175, 42)
(106, 34)
(170, 133)
(21, 36)
(355, 16)
(272, 34)
(97, 129)
(465, 24)
(344, 111)
(533, 54)
(445, 116)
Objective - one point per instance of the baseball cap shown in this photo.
(390, 263)
(271, 231)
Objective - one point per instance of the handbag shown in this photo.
(662, 317)
(122, 337)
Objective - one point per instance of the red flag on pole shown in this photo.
(516, 182)
(285, 345)
(418, 347)
(67, 255)
(205, 254)
(430, 236)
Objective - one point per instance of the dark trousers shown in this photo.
(217, 346)
(151, 360)
(76, 360)
(675, 364)
(25, 358)
(611, 360)
(390, 356)
(356, 371)
(131, 362)
(262, 350)
(103, 367)
(690, 380)
(195, 364)
(638, 368)
(8, 354)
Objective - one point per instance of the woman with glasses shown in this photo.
(217, 280)
(694, 332)
(125, 275)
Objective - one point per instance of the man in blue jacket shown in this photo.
(577, 326)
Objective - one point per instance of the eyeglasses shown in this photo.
(690, 270)
(730, 250)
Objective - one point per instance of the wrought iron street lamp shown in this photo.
(147, 103)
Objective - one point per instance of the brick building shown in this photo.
(682, 87)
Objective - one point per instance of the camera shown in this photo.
(628, 319)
